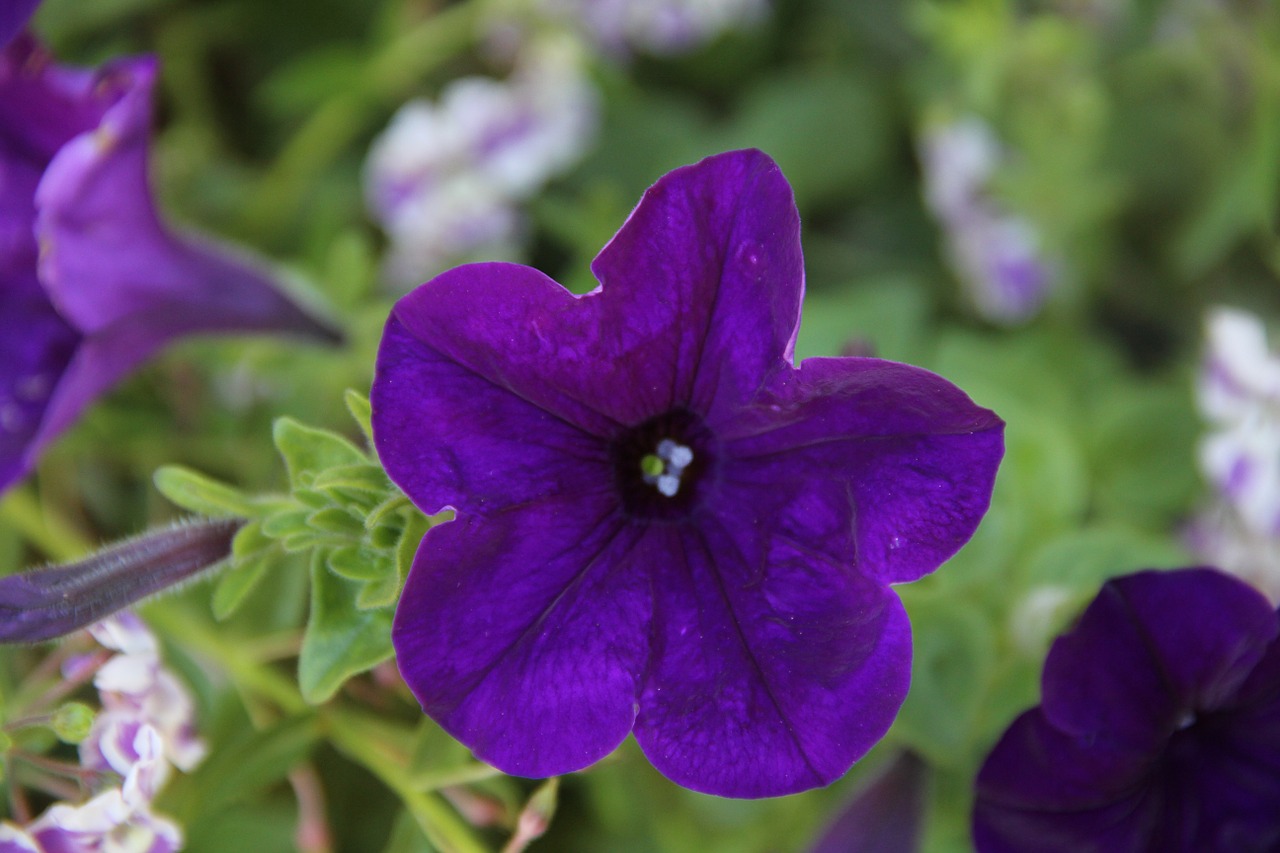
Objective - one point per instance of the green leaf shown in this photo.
(308, 451)
(335, 520)
(365, 477)
(358, 563)
(415, 527)
(360, 408)
(249, 540)
(380, 592)
(341, 640)
(236, 583)
(287, 522)
(194, 491)
(952, 666)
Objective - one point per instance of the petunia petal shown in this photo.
(773, 669)
(1043, 790)
(1152, 650)
(901, 459)
(524, 633)
(35, 346)
(709, 263)
(453, 433)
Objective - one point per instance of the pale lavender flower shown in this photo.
(996, 254)
(663, 27)
(1238, 392)
(147, 718)
(108, 822)
(446, 178)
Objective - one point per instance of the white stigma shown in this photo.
(674, 459)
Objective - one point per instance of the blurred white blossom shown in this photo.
(146, 725)
(996, 254)
(446, 178)
(1239, 394)
(663, 27)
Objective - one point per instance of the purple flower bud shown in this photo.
(47, 603)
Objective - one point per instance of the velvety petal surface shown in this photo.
(711, 302)
(902, 459)
(448, 426)
(1153, 648)
(774, 668)
(524, 633)
(710, 263)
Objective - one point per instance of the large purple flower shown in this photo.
(662, 523)
(91, 282)
(1158, 728)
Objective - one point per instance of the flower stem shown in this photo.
(353, 735)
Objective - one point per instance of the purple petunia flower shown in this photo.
(91, 282)
(1158, 728)
(662, 523)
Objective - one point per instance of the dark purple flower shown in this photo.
(1158, 728)
(13, 15)
(91, 282)
(662, 523)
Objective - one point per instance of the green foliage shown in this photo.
(356, 528)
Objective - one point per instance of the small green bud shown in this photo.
(72, 721)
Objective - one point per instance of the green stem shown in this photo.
(462, 775)
(354, 735)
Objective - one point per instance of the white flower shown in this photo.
(445, 179)
(996, 255)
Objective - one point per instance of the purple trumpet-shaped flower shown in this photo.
(663, 525)
(92, 283)
(1158, 728)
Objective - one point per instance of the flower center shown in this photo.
(660, 463)
(663, 469)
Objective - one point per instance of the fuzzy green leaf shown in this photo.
(194, 491)
(308, 451)
(341, 640)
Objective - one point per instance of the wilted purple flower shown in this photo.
(91, 282)
(1239, 393)
(996, 254)
(1158, 728)
(445, 179)
(662, 523)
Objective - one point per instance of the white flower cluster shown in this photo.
(1239, 393)
(445, 179)
(146, 725)
(995, 254)
(662, 27)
